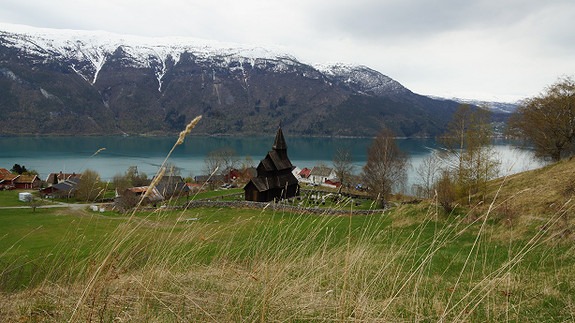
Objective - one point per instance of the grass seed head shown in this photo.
(188, 129)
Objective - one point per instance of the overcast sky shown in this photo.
(500, 50)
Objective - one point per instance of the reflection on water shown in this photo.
(72, 154)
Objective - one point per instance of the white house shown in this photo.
(295, 171)
(319, 174)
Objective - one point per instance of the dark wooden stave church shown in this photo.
(274, 180)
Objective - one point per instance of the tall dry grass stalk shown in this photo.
(126, 233)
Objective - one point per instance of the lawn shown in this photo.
(10, 198)
(225, 264)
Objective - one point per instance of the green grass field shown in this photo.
(10, 198)
(412, 263)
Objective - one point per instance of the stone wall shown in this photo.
(216, 202)
(278, 207)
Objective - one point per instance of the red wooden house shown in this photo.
(7, 180)
(27, 182)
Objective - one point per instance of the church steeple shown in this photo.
(279, 143)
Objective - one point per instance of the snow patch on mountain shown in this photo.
(362, 78)
(500, 107)
(88, 51)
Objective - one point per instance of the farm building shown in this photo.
(27, 181)
(170, 186)
(274, 180)
(7, 179)
(55, 178)
(63, 189)
(321, 174)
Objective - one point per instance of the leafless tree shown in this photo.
(428, 171)
(221, 159)
(172, 170)
(343, 165)
(386, 167)
(130, 178)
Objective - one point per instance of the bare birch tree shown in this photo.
(468, 152)
(386, 167)
(343, 165)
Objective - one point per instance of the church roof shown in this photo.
(279, 143)
(274, 171)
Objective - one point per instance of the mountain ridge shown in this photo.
(80, 82)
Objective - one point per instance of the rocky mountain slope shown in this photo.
(74, 82)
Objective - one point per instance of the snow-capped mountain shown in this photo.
(87, 52)
(495, 107)
(67, 82)
(363, 79)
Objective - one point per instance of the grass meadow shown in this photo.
(411, 263)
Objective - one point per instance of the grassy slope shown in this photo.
(412, 263)
(540, 198)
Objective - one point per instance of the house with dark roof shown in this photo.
(153, 197)
(274, 179)
(200, 179)
(55, 178)
(170, 186)
(65, 188)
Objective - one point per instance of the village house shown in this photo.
(274, 180)
(137, 192)
(295, 171)
(55, 178)
(304, 173)
(320, 174)
(64, 189)
(7, 179)
(27, 182)
(171, 186)
(201, 179)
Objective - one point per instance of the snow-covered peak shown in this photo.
(89, 50)
(362, 77)
(61, 38)
(500, 107)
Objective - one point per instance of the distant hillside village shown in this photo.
(275, 178)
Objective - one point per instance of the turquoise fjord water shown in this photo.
(76, 154)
